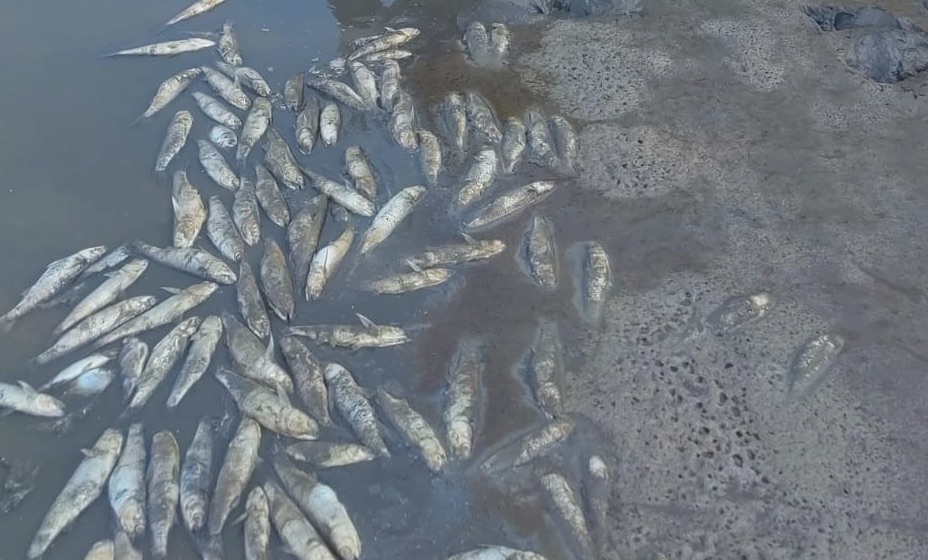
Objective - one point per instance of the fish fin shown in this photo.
(138, 120)
(366, 322)
(170, 290)
(269, 352)
(6, 325)
(468, 239)
(26, 387)
(239, 519)
(413, 265)
(89, 453)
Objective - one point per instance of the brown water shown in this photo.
(75, 174)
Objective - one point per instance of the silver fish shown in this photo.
(23, 398)
(214, 109)
(598, 495)
(105, 294)
(126, 489)
(539, 253)
(402, 122)
(222, 231)
(249, 77)
(174, 139)
(226, 88)
(56, 277)
(389, 84)
(496, 552)
(565, 143)
(228, 46)
(193, 10)
(254, 361)
(429, 156)
(276, 281)
(216, 166)
(101, 550)
(203, 345)
(195, 477)
(359, 169)
(268, 408)
(324, 454)
(189, 212)
(168, 48)
(308, 377)
(741, 310)
(169, 90)
(303, 235)
(568, 512)
(482, 120)
(339, 91)
(96, 325)
(322, 506)
(256, 124)
(307, 125)
(180, 302)
(540, 146)
(392, 39)
(352, 404)
(163, 490)
(452, 254)
(250, 302)
(477, 41)
(813, 361)
(223, 137)
(132, 358)
(91, 383)
(280, 161)
(530, 446)
(460, 414)
(294, 529)
(191, 260)
(78, 368)
(410, 281)
(325, 263)
(257, 525)
(81, 490)
(164, 355)
(595, 280)
(123, 549)
(512, 147)
(245, 212)
(330, 120)
(365, 83)
(294, 88)
(112, 259)
(415, 430)
(352, 200)
(509, 204)
(479, 178)
(383, 56)
(270, 198)
(546, 369)
(365, 335)
(235, 472)
(390, 216)
(500, 39)
(453, 115)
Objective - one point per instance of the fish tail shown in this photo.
(138, 120)
(6, 324)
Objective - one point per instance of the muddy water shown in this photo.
(76, 174)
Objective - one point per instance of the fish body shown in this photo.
(496, 552)
(330, 120)
(565, 143)
(195, 9)
(214, 109)
(203, 345)
(216, 166)
(595, 280)
(410, 281)
(257, 525)
(741, 310)
(352, 200)
(23, 398)
(453, 114)
(402, 122)
(294, 88)
(91, 383)
(303, 235)
(168, 48)
(546, 369)
(268, 408)
(81, 490)
(477, 41)
(392, 39)
(228, 45)
(189, 212)
(353, 336)
(389, 84)
(294, 529)
(226, 88)
(482, 120)
(163, 490)
(249, 77)
(308, 378)
(280, 161)
(532, 445)
(598, 495)
(322, 454)
(539, 253)
(196, 477)
(452, 254)
(365, 83)
(568, 512)
(105, 294)
(355, 408)
(390, 215)
(255, 362)
(276, 281)
(415, 430)
(191, 260)
(223, 137)
(478, 179)
(235, 472)
(500, 39)
(256, 125)
(429, 156)
(250, 302)
(813, 361)
(112, 259)
(245, 212)
(340, 92)
(325, 263)
(509, 204)
(359, 169)
(540, 146)
(512, 145)
(270, 198)
(78, 368)
(384, 56)
(174, 139)
(101, 550)
(126, 489)
(460, 413)
(132, 357)
(163, 356)
(222, 232)
(307, 124)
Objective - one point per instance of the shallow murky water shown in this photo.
(75, 174)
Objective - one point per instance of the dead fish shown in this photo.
(223, 137)
(270, 409)
(568, 512)
(595, 280)
(330, 120)
(190, 260)
(415, 430)
(280, 161)
(365, 83)
(512, 147)
(383, 56)
(202, 347)
(482, 120)
(813, 361)
(307, 125)
(81, 490)
(256, 124)
(132, 357)
(460, 413)
(457, 253)
(293, 91)
(390, 216)
(101, 550)
(56, 277)
(226, 88)
(339, 91)
(500, 39)
(270, 198)
(389, 84)
(163, 490)
(163, 356)
(496, 552)
(509, 204)
(308, 377)
(346, 196)
(250, 302)
(23, 398)
(195, 478)
(91, 383)
(174, 139)
(565, 143)
(322, 454)
(228, 46)
(477, 41)
(214, 109)
(126, 489)
(164, 313)
(222, 231)
(216, 166)
(193, 10)
(352, 404)
(454, 118)
(189, 212)
(365, 335)
(410, 281)
(276, 281)
(540, 146)
(392, 39)
(112, 259)
(402, 122)
(257, 525)
(303, 235)
(67, 297)
(546, 369)
(429, 156)
(741, 310)
(359, 169)
(539, 253)
(78, 368)
(245, 212)
(246, 76)
(478, 179)
(294, 529)
(168, 48)
(530, 446)
(253, 360)
(105, 294)
(235, 472)
(597, 494)
(325, 263)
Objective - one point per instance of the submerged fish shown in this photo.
(389, 84)
(530, 446)
(132, 358)
(410, 281)
(539, 253)
(595, 280)
(453, 115)
(496, 552)
(228, 46)
(112, 259)
(359, 169)
(105, 294)
(126, 489)
(323, 454)
(460, 414)
(253, 360)
(392, 39)
(23, 398)
(813, 361)
(276, 281)
(163, 356)
(565, 143)
(294, 88)
(256, 124)
(429, 156)
(193, 10)
(479, 177)
(540, 146)
(280, 161)
(512, 145)
(308, 378)
(307, 125)
(303, 235)
(352, 200)
(196, 475)
(222, 232)
(250, 302)
(174, 139)
(168, 48)
(355, 408)
(390, 215)
(477, 41)
(78, 368)
(268, 407)
(481, 119)
(415, 429)
(249, 77)
(365, 83)
(189, 211)
(499, 43)
(216, 166)
(257, 525)
(226, 88)
(546, 369)
(403, 122)
(203, 345)
(568, 512)
(741, 310)
(214, 109)
(235, 472)
(509, 204)
(270, 198)
(452, 254)
(190, 260)
(339, 91)
(294, 529)
(163, 490)
(245, 212)
(365, 335)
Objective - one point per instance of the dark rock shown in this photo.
(889, 55)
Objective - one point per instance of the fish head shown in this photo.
(460, 436)
(132, 520)
(333, 371)
(300, 425)
(49, 405)
(496, 246)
